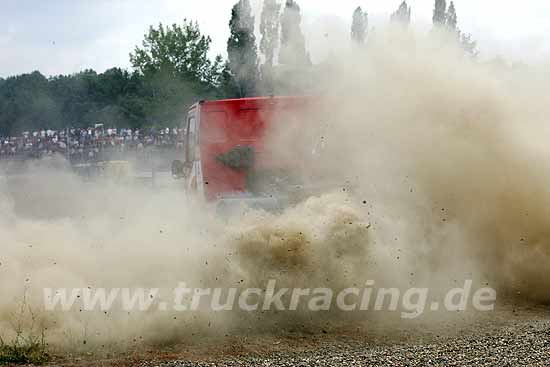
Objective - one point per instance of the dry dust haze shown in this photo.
(446, 159)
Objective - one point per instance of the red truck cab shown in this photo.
(225, 143)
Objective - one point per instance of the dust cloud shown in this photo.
(449, 154)
(62, 231)
(432, 168)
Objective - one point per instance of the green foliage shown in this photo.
(269, 29)
(465, 40)
(88, 98)
(359, 25)
(175, 71)
(447, 19)
(440, 13)
(172, 71)
(166, 99)
(293, 46)
(180, 50)
(31, 101)
(402, 15)
(241, 50)
(451, 20)
(468, 44)
(25, 102)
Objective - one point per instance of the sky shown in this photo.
(67, 36)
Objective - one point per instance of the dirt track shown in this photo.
(511, 336)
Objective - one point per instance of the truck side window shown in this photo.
(191, 141)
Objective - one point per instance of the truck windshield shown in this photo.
(272, 181)
(296, 155)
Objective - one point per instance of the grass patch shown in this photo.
(23, 353)
(27, 343)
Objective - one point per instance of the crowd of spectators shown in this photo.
(89, 144)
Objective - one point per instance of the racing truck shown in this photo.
(230, 155)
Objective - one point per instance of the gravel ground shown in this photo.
(526, 344)
(512, 336)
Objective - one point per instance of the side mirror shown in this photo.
(178, 169)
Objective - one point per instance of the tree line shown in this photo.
(172, 69)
